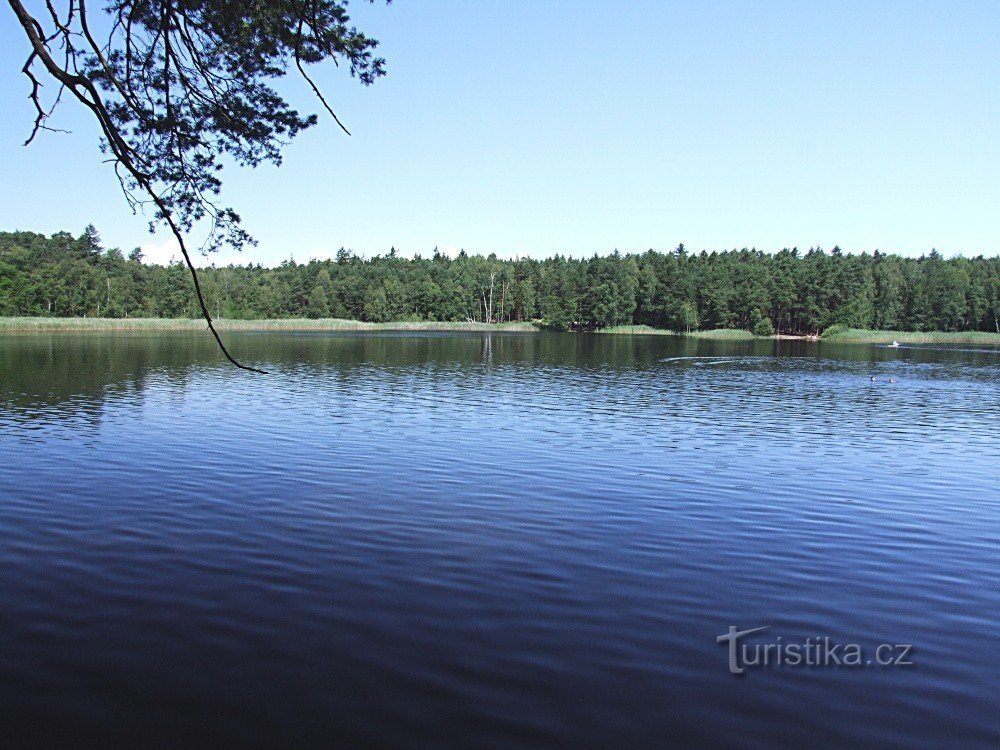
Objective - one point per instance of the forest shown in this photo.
(785, 292)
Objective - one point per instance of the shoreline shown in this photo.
(717, 334)
(285, 325)
(864, 336)
(305, 325)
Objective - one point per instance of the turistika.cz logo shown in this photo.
(819, 651)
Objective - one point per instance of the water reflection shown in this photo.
(523, 540)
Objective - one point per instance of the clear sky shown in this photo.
(538, 126)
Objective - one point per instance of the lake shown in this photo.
(522, 540)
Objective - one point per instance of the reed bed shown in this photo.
(28, 325)
(864, 336)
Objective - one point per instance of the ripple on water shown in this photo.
(521, 540)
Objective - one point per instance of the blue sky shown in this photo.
(574, 127)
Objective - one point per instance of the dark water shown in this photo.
(494, 541)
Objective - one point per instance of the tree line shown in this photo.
(788, 291)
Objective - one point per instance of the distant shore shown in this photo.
(862, 336)
(836, 334)
(48, 325)
(717, 334)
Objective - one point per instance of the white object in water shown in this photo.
(895, 344)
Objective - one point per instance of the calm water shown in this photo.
(494, 541)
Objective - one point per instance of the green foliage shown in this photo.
(179, 89)
(376, 307)
(318, 306)
(612, 283)
(557, 313)
(724, 294)
(763, 327)
(682, 316)
(835, 330)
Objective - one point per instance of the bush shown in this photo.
(763, 327)
(557, 324)
(835, 329)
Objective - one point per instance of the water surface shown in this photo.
(493, 540)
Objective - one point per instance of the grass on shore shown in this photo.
(27, 325)
(725, 334)
(720, 334)
(634, 330)
(841, 335)
(835, 334)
